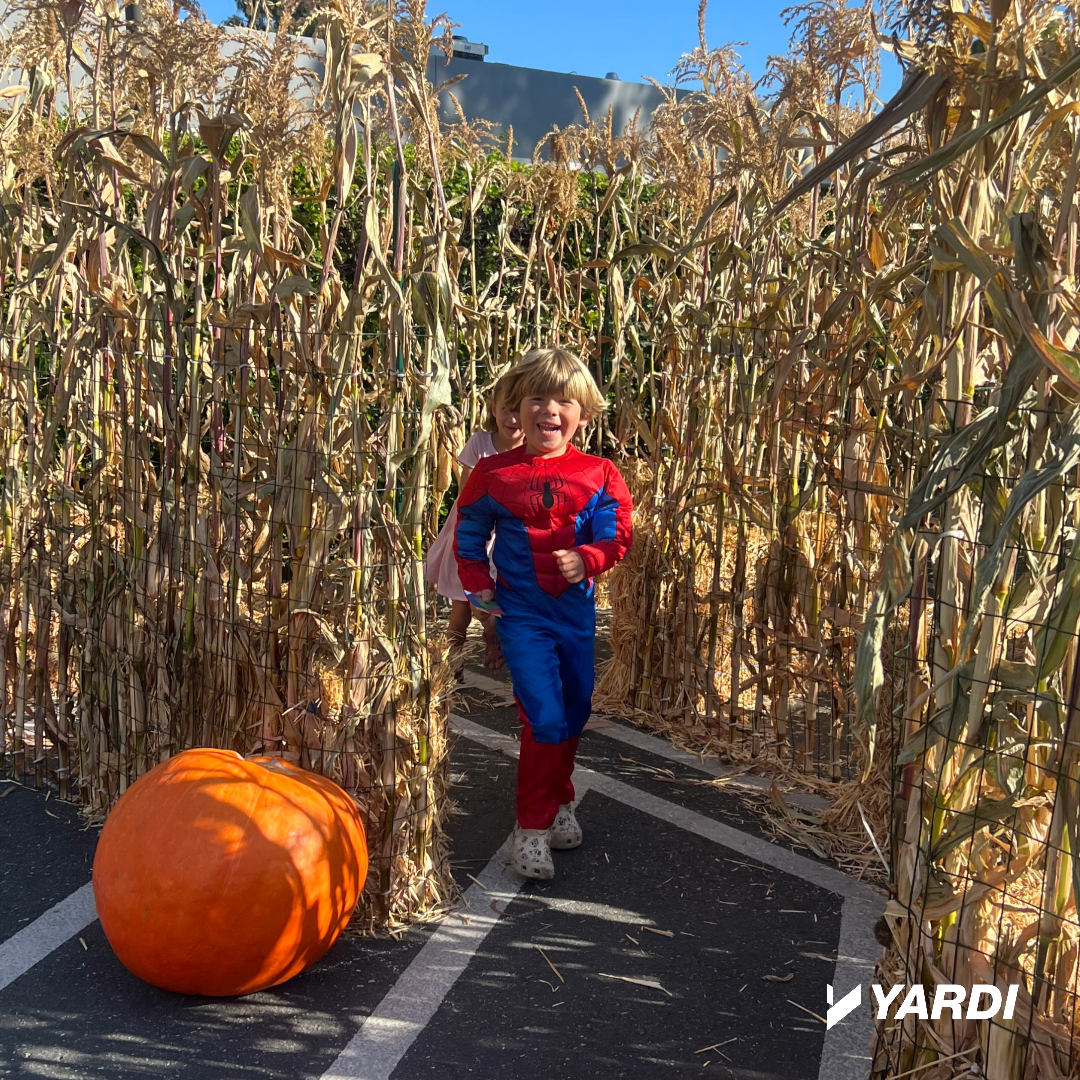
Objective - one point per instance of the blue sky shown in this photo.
(593, 37)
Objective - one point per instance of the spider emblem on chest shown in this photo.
(546, 494)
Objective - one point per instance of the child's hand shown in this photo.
(487, 595)
(571, 565)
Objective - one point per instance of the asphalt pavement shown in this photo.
(679, 938)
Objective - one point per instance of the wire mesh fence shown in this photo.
(983, 690)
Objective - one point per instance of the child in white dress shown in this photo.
(503, 432)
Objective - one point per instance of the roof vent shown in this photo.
(613, 75)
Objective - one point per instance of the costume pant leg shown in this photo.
(577, 641)
(530, 646)
(544, 771)
(576, 672)
(546, 760)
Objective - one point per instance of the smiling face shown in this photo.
(549, 423)
(508, 426)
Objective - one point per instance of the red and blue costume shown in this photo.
(537, 506)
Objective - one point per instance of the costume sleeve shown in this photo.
(475, 522)
(611, 525)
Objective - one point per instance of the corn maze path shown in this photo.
(646, 957)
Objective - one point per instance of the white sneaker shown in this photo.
(531, 853)
(566, 832)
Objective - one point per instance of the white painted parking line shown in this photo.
(502, 690)
(32, 943)
(493, 740)
(641, 740)
(825, 877)
(386, 1035)
(845, 1052)
(774, 855)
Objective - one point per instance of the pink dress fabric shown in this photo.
(440, 567)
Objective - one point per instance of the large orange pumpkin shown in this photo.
(219, 875)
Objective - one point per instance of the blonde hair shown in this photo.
(556, 373)
(501, 392)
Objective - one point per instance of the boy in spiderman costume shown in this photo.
(560, 517)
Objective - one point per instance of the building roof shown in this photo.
(532, 101)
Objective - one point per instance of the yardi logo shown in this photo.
(946, 996)
(850, 1001)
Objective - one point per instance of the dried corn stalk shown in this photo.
(218, 449)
